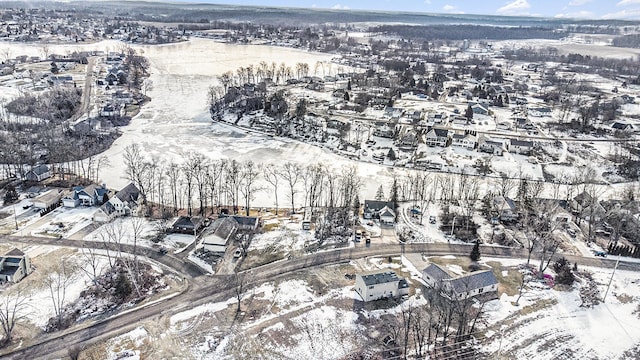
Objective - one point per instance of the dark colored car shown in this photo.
(600, 253)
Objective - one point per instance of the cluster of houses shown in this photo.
(382, 284)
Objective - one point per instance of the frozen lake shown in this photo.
(177, 122)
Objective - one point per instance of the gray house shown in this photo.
(460, 287)
(38, 173)
(14, 266)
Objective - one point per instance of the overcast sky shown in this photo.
(592, 9)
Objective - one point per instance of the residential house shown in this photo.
(38, 173)
(247, 223)
(91, 195)
(387, 216)
(523, 147)
(493, 146)
(373, 208)
(222, 231)
(479, 109)
(506, 208)
(380, 284)
(622, 126)
(437, 137)
(540, 111)
(434, 274)
(14, 266)
(123, 203)
(187, 225)
(467, 141)
(460, 287)
(584, 205)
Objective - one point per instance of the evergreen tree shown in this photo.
(11, 195)
(380, 194)
(475, 252)
(391, 154)
(394, 193)
(469, 112)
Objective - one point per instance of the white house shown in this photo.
(437, 137)
(460, 287)
(506, 208)
(466, 141)
(380, 284)
(91, 195)
(387, 216)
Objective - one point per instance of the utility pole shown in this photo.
(15, 216)
(611, 279)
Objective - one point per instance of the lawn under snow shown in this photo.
(565, 330)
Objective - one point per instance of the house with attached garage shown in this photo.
(14, 266)
(374, 208)
(380, 284)
(91, 195)
(38, 173)
(123, 203)
(460, 287)
(506, 208)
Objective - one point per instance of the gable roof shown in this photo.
(386, 211)
(15, 252)
(522, 143)
(473, 281)
(40, 169)
(377, 205)
(436, 272)
(224, 228)
(128, 193)
(187, 222)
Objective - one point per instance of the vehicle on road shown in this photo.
(237, 253)
(600, 253)
(163, 250)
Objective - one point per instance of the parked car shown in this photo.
(163, 250)
(600, 253)
(571, 232)
(432, 219)
(237, 253)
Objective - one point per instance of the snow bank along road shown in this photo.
(218, 288)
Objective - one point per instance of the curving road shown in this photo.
(220, 288)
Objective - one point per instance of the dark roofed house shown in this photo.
(372, 208)
(434, 274)
(460, 287)
(522, 147)
(380, 284)
(187, 225)
(38, 173)
(14, 266)
(247, 223)
(473, 284)
(437, 137)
